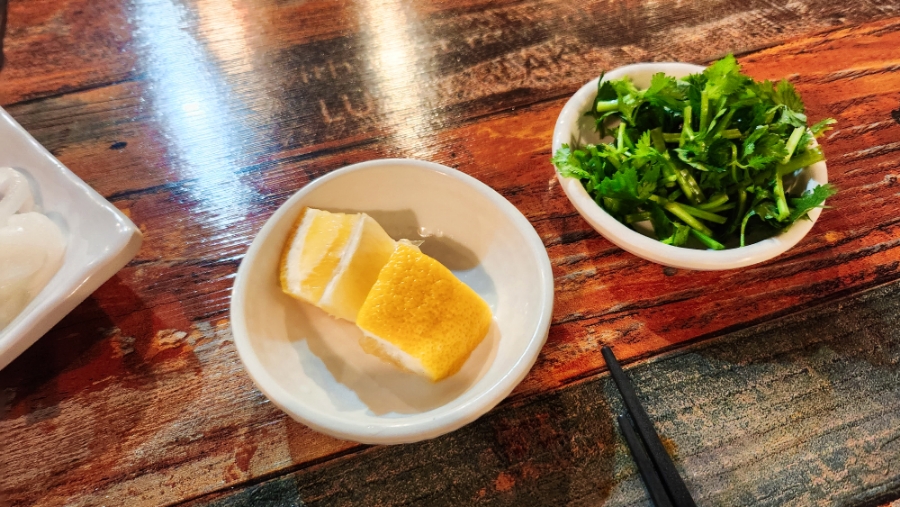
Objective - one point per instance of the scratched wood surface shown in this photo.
(199, 118)
(828, 381)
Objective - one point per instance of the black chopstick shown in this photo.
(668, 475)
(651, 480)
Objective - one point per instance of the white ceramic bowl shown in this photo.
(574, 128)
(311, 365)
(100, 240)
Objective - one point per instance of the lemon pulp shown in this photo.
(331, 260)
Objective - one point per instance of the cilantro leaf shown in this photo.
(622, 185)
(723, 78)
(809, 200)
(568, 164)
(792, 110)
(665, 92)
(629, 98)
(786, 95)
(821, 127)
(648, 183)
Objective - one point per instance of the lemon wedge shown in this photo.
(420, 317)
(368, 250)
(331, 260)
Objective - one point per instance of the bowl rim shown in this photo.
(649, 248)
(72, 283)
(424, 425)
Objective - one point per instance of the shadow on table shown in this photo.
(27, 378)
(88, 351)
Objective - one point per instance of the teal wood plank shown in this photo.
(800, 411)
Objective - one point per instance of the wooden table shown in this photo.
(774, 384)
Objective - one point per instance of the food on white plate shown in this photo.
(31, 246)
(710, 156)
(413, 311)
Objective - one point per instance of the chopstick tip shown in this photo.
(608, 355)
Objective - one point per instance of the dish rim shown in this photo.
(424, 425)
(41, 314)
(643, 246)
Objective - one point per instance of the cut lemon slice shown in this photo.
(420, 317)
(367, 252)
(332, 260)
(313, 252)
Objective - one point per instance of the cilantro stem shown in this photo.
(807, 158)
(742, 205)
(672, 138)
(744, 224)
(629, 144)
(689, 186)
(659, 139)
(668, 168)
(714, 202)
(637, 217)
(703, 214)
(614, 160)
(605, 106)
(734, 162)
(704, 110)
(687, 182)
(706, 240)
(620, 137)
(780, 199)
(792, 143)
(676, 209)
(686, 127)
(723, 207)
(722, 124)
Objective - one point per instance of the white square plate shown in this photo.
(100, 240)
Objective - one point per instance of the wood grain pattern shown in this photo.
(827, 380)
(198, 118)
(57, 46)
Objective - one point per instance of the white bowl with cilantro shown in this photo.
(696, 168)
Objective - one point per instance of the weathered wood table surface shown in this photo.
(774, 384)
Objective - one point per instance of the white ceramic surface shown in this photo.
(311, 365)
(575, 129)
(100, 240)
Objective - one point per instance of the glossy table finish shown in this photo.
(773, 384)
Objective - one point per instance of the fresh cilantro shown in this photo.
(664, 91)
(809, 200)
(623, 185)
(791, 105)
(699, 156)
(821, 127)
(723, 78)
(787, 96)
(567, 164)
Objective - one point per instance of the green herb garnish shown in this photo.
(700, 156)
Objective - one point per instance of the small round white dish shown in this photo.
(575, 129)
(311, 365)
